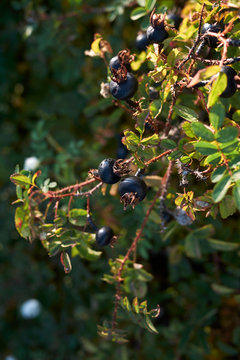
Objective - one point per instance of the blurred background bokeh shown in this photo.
(50, 109)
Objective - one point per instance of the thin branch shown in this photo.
(191, 51)
(133, 247)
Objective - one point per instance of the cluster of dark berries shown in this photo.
(132, 189)
(123, 83)
(129, 187)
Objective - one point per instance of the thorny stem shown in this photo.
(191, 51)
(134, 244)
(147, 163)
(228, 61)
(75, 187)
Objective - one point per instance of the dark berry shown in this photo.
(115, 64)
(125, 89)
(153, 93)
(166, 216)
(133, 184)
(104, 236)
(212, 41)
(122, 150)
(157, 34)
(176, 19)
(106, 173)
(231, 84)
(142, 42)
(234, 42)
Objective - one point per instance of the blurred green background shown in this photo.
(50, 108)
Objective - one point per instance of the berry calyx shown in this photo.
(124, 57)
(132, 190)
(104, 236)
(106, 173)
(211, 41)
(231, 83)
(142, 42)
(125, 88)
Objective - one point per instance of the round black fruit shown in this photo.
(231, 83)
(157, 34)
(176, 19)
(104, 236)
(133, 184)
(212, 41)
(106, 173)
(153, 93)
(142, 42)
(125, 89)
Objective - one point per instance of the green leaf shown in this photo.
(236, 194)
(21, 180)
(54, 248)
(150, 5)
(66, 262)
(221, 188)
(155, 108)
(202, 131)
(213, 159)
(227, 207)
(21, 222)
(209, 72)
(235, 161)
(150, 326)
(151, 140)
(223, 245)
(186, 126)
(236, 176)
(185, 112)
(222, 290)
(218, 173)
(192, 246)
(218, 86)
(175, 155)
(137, 13)
(227, 134)
(217, 115)
(135, 305)
(204, 232)
(168, 144)
(236, 116)
(78, 217)
(83, 249)
(126, 304)
(206, 148)
(131, 140)
(229, 147)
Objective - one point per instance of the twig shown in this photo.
(191, 51)
(217, 62)
(132, 248)
(147, 163)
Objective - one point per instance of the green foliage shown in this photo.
(186, 259)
